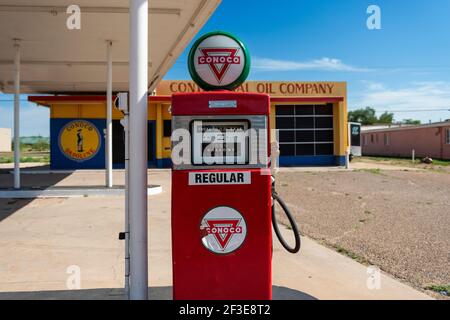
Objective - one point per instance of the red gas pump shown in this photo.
(221, 212)
(221, 181)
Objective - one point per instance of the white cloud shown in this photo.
(324, 64)
(417, 96)
(420, 95)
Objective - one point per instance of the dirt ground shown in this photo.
(398, 220)
(441, 166)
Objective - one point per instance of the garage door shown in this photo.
(305, 130)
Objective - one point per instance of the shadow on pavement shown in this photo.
(283, 293)
(154, 293)
(8, 206)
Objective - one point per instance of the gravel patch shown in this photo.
(397, 220)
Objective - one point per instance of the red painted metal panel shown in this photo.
(198, 103)
(198, 273)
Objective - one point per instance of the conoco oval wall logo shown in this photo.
(218, 60)
(223, 230)
(79, 140)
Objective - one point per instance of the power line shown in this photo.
(409, 110)
(415, 110)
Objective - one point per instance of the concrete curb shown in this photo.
(70, 192)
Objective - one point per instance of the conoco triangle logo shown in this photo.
(219, 60)
(223, 230)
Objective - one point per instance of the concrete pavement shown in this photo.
(46, 242)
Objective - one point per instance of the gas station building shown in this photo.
(310, 118)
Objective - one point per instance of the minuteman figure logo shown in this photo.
(223, 230)
(218, 60)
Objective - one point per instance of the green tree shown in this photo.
(411, 121)
(365, 116)
(386, 118)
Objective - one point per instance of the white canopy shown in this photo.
(55, 59)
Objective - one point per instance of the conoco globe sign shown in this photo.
(219, 60)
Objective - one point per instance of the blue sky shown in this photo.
(403, 66)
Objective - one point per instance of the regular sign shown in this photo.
(218, 60)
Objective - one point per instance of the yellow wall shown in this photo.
(156, 111)
(273, 88)
(82, 110)
(90, 111)
(284, 89)
(166, 144)
(159, 111)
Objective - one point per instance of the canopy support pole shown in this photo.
(108, 149)
(17, 114)
(138, 79)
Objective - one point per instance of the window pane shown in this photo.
(284, 110)
(324, 110)
(304, 110)
(304, 149)
(304, 123)
(304, 136)
(286, 136)
(324, 135)
(324, 122)
(287, 149)
(285, 123)
(324, 149)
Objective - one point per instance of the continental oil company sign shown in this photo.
(273, 88)
(79, 140)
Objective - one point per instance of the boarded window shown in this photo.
(305, 130)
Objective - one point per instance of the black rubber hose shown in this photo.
(288, 213)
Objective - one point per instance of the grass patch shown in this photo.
(443, 163)
(45, 159)
(405, 161)
(442, 289)
(351, 255)
(6, 160)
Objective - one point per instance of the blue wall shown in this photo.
(59, 161)
(292, 161)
